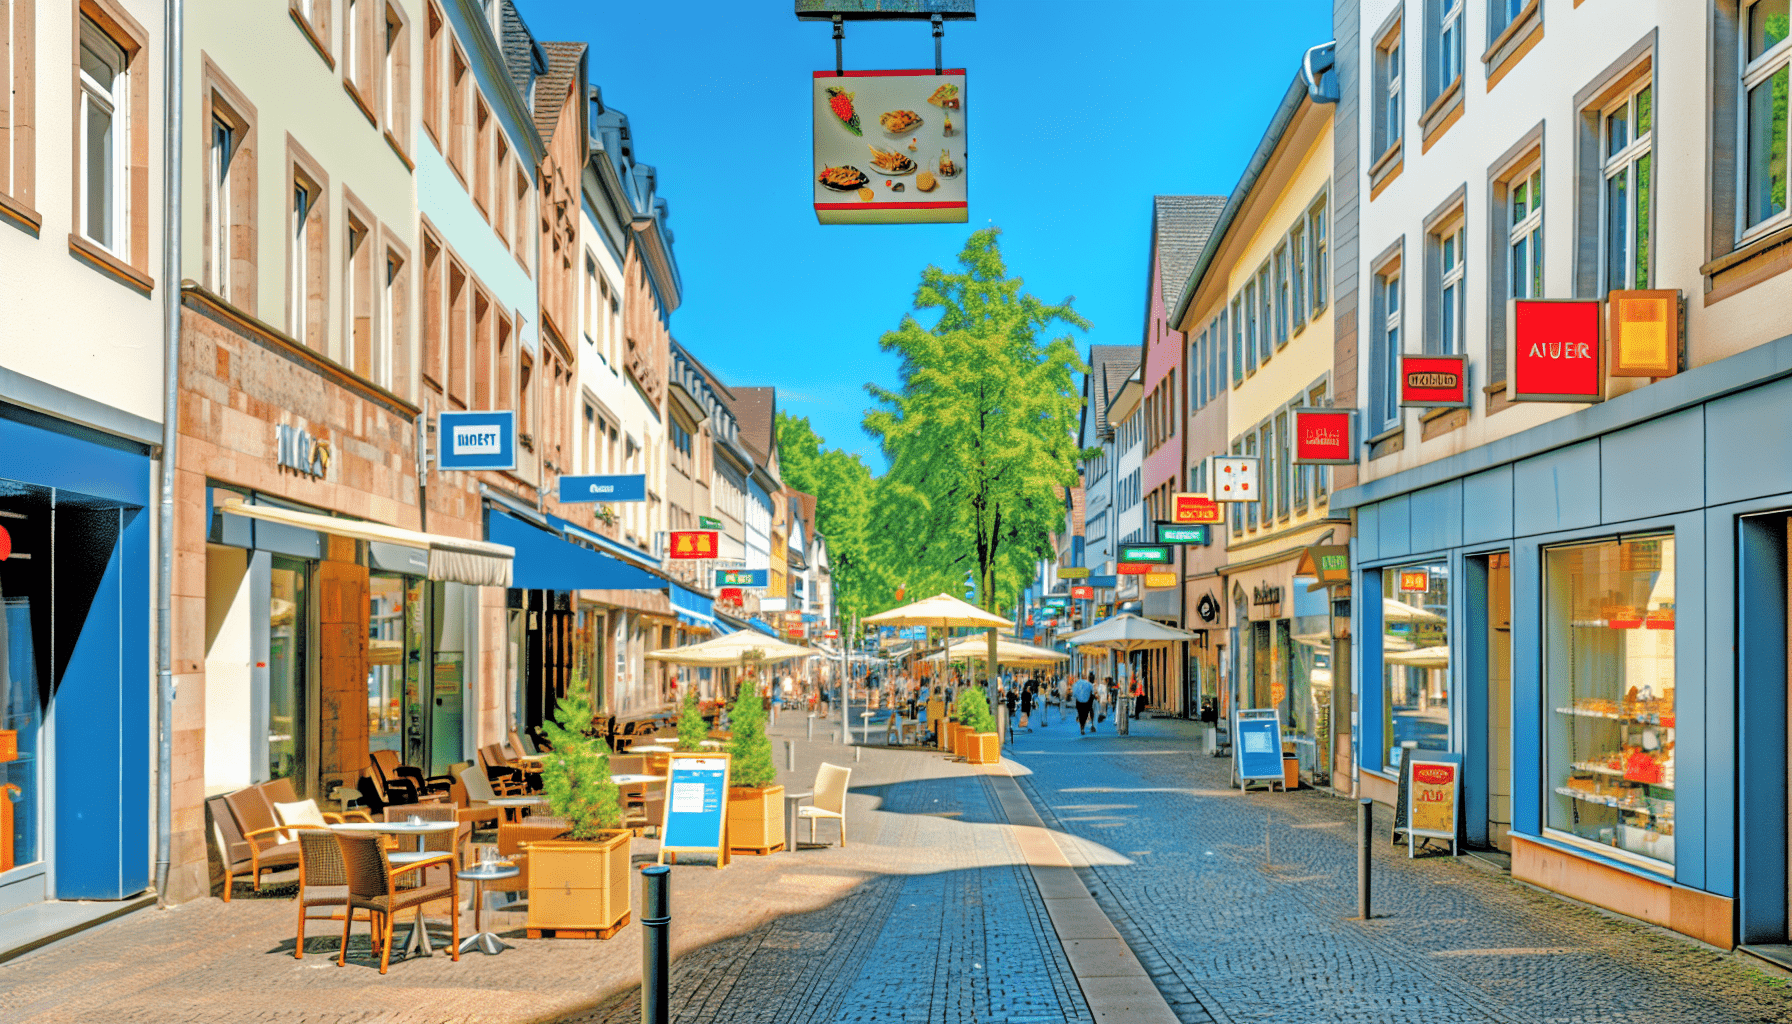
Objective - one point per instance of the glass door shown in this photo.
(287, 696)
(385, 662)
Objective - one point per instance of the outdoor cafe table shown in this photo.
(636, 780)
(651, 748)
(419, 939)
(480, 874)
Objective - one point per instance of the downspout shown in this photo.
(172, 68)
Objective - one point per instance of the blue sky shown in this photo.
(1118, 100)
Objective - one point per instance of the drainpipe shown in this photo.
(173, 63)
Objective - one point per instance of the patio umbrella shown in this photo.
(731, 648)
(1424, 657)
(1013, 652)
(1399, 611)
(946, 612)
(1129, 633)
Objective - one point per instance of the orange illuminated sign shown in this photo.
(1415, 581)
(1159, 580)
(1194, 508)
(1644, 328)
(692, 544)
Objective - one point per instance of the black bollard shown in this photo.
(1365, 834)
(656, 944)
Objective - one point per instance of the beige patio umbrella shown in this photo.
(1128, 632)
(733, 647)
(1400, 611)
(1424, 657)
(946, 612)
(1013, 652)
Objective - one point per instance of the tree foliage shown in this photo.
(972, 708)
(692, 729)
(751, 766)
(844, 501)
(980, 431)
(575, 775)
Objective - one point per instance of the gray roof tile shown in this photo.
(1180, 227)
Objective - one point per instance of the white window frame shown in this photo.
(111, 99)
(390, 271)
(298, 258)
(1393, 77)
(219, 155)
(1284, 299)
(1318, 233)
(1755, 73)
(1450, 46)
(1524, 233)
(1452, 304)
(1297, 272)
(1393, 340)
(1620, 173)
(1266, 301)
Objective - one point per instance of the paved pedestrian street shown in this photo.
(1240, 906)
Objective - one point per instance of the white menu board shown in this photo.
(890, 147)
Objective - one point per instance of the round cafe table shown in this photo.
(635, 780)
(480, 874)
(651, 748)
(419, 940)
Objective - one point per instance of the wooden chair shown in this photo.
(829, 799)
(373, 887)
(513, 846)
(322, 881)
(454, 842)
(504, 780)
(391, 771)
(465, 810)
(252, 831)
(479, 791)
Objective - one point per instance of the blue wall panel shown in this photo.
(1761, 667)
(1396, 527)
(1527, 691)
(1371, 745)
(1437, 517)
(1750, 453)
(1367, 537)
(1558, 490)
(1487, 506)
(1704, 714)
(1654, 468)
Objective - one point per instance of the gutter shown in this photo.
(172, 74)
(1272, 137)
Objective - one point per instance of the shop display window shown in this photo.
(1609, 674)
(286, 673)
(21, 699)
(385, 661)
(1415, 659)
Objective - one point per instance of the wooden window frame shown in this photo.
(460, 85)
(523, 186)
(459, 324)
(301, 168)
(435, 33)
(316, 28)
(358, 63)
(360, 288)
(506, 358)
(484, 312)
(128, 263)
(395, 314)
(395, 81)
(221, 100)
(482, 157)
(431, 325)
(18, 114)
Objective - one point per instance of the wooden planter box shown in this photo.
(755, 819)
(579, 889)
(960, 746)
(985, 748)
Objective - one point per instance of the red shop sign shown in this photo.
(1083, 593)
(1134, 568)
(1194, 508)
(732, 595)
(1557, 351)
(1434, 382)
(1324, 437)
(692, 544)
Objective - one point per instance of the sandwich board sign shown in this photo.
(1432, 788)
(696, 814)
(1257, 747)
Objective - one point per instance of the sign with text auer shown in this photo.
(1557, 352)
(476, 440)
(603, 488)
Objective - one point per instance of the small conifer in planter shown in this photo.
(983, 745)
(755, 801)
(692, 729)
(579, 881)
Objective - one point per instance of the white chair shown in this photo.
(899, 730)
(829, 799)
(479, 791)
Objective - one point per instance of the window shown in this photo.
(1297, 256)
(1251, 507)
(433, 292)
(525, 400)
(395, 80)
(1266, 337)
(1321, 261)
(1239, 342)
(522, 216)
(1282, 320)
(592, 311)
(504, 398)
(1237, 521)
(307, 262)
(483, 378)
(1609, 673)
(1389, 76)
(1270, 467)
(1384, 374)
(1250, 336)
(395, 322)
(1767, 63)
(1415, 672)
(1448, 288)
(482, 157)
(1525, 234)
(1217, 357)
(1316, 398)
(1503, 13)
(1284, 466)
(501, 210)
(313, 17)
(18, 111)
(432, 72)
(1449, 45)
(358, 298)
(1303, 476)
(218, 205)
(100, 144)
(459, 84)
(459, 303)
(1628, 158)
(1195, 378)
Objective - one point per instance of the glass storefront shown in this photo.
(1415, 672)
(1609, 678)
(286, 673)
(386, 662)
(21, 698)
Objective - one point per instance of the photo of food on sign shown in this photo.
(889, 147)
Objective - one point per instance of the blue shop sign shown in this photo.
(603, 488)
(476, 440)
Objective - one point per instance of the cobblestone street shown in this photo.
(1239, 906)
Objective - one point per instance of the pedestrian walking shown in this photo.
(1138, 697)
(1083, 694)
(1026, 707)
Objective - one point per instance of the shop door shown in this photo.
(288, 693)
(1499, 700)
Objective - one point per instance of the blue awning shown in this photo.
(763, 628)
(614, 547)
(548, 561)
(693, 608)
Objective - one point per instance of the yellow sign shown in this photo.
(1433, 794)
(1159, 580)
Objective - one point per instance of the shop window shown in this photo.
(395, 80)
(287, 701)
(1609, 678)
(432, 72)
(1415, 660)
(25, 609)
(386, 658)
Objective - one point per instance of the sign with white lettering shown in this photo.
(1434, 382)
(603, 488)
(741, 577)
(1324, 437)
(476, 440)
(297, 450)
(1557, 352)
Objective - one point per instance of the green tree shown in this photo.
(972, 708)
(980, 432)
(751, 766)
(692, 729)
(844, 502)
(575, 775)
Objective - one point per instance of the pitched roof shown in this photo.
(1109, 366)
(520, 51)
(1180, 228)
(550, 92)
(756, 409)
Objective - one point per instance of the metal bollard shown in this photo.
(858, 752)
(791, 801)
(1365, 834)
(656, 944)
(790, 755)
(811, 726)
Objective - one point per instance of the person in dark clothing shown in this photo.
(1026, 707)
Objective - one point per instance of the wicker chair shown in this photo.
(322, 881)
(454, 842)
(373, 887)
(246, 831)
(505, 780)
(392, 773)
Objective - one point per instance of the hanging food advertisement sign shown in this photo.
(1324, 437)
(1644, 327)
(1234, 477)
(1557, 352)
(1195, 508)
(1159, 580)
(1415, 581)
(1434, 382)
(890, 147)
(1073, 572)
(692, 544)
(1083, 593)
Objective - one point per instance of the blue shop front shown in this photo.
(1592, 614)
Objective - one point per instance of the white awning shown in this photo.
(473, 562)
